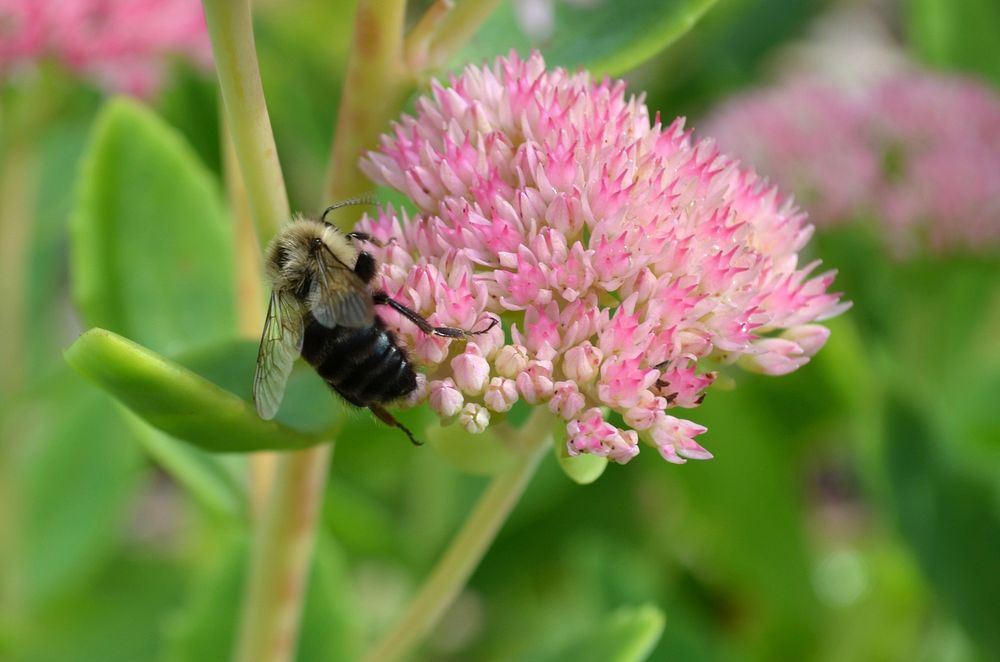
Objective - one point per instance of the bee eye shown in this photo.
(316, 243)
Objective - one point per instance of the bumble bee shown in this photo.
(322, 307)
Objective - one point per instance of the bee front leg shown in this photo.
(383, 299)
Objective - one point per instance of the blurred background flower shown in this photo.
(119, 45)
(916, 152)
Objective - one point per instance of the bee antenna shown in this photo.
(366, 199)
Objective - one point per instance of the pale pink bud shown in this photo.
(501, 394)
(810, 337)
(445, 400)
(471, 371)
(581, 362)
(535, 383)
(474, 418)
(674, 437)
(511, 360)
(623, 446)
(491, 341)
(588, 433)
(567, 401)
(643, 415)
(776, 356)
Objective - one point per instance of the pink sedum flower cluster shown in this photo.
(620, 254)
(119, 44)
(919, 152)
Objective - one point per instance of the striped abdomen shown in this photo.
(365, 366)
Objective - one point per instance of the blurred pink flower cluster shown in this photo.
(119, 44)
(917, 152)
(622, 256)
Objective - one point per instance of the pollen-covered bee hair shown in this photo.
(323, 308)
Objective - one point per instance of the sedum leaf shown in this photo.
(151, 246)
(180, 402)
(606, 36)
(73, 477)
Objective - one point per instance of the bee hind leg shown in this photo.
(381, 298)
(383, 415)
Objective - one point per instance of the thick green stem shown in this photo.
(375, 84)
(282, 550)
(431, 48)
(231, 32)
(467, 548)
(285, 533)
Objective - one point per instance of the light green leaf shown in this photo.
(606, 36)
(181, 403)
(956, 34)
(951, 521)
(117, 620)
(627, 635)
(72, 477)
(151, 247)
(583, 469)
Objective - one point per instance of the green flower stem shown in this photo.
(375, 85)
(279, 563)
(467, 548)
(285, 534)
(231, 32)
(249, 297)
(454, 29)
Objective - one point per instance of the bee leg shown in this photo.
(390, 420)
(381, 298)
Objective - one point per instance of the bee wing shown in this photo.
(280, 345)
(339, 297)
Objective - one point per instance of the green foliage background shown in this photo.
(852, 511)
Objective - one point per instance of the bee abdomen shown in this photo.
(364, 365)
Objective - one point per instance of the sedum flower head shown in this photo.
(119, 44)
(919, 152)
(621, 254)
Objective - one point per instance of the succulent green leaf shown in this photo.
(135, 589)
(151, 246)
(72, 482)
(606, 37)
(628, 635)
(583, 469)
(180, 402)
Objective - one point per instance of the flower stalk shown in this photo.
(444, 30)
(231, 31)
(375, 84)
(468, 547)
(285, 533)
